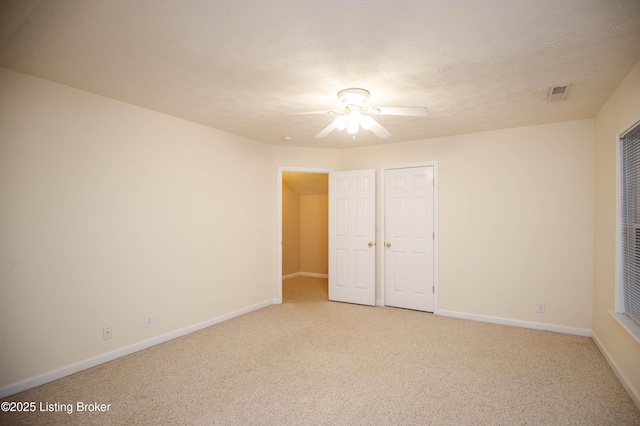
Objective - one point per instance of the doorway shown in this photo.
(380, 240)
(303, 239)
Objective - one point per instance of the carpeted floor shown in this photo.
(310, 361)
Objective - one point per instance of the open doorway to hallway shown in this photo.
(304, 227)
(305, 289)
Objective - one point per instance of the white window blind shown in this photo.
(630, 222)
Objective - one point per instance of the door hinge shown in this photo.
(433, 289)
(434, 235)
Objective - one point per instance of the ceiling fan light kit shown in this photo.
(352, 121)
(354, 115)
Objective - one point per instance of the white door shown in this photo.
(352, 237)
(409, 238)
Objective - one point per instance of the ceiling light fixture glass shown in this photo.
(352, 121)
(341, 122)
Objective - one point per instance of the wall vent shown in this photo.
(557, 93)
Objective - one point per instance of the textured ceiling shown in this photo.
(246, 66)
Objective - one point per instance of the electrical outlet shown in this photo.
(148, 321)
(106, 333)
(540, 308)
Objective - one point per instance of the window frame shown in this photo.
(619, 313)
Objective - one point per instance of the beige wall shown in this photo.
(305, 158)
(621, 110)
(111, 212)
(314, 231)
(515, 219)
(290, 231)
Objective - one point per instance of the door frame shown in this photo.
(380, 242)
(284, 169)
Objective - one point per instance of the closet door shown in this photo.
(409, 238)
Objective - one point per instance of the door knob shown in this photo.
(370, 244)
(388, 244)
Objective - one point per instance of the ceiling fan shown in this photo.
(356, 115)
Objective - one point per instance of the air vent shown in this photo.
(557, 93)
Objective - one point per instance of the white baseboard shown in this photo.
(633, 393)
(313, 274)
(288, 276)
(304, 274)
(118, 353)
(517, 323)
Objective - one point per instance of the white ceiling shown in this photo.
(245, 66)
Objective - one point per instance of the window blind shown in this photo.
(630, 222)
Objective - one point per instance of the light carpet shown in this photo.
(310, 361)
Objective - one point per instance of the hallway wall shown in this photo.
(304, 224)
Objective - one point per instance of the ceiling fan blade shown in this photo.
(326, 131)
(378, 130)
(315, 112)
(409, 111)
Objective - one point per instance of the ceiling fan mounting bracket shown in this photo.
(353, 98)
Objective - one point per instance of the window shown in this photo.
(630, 222)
